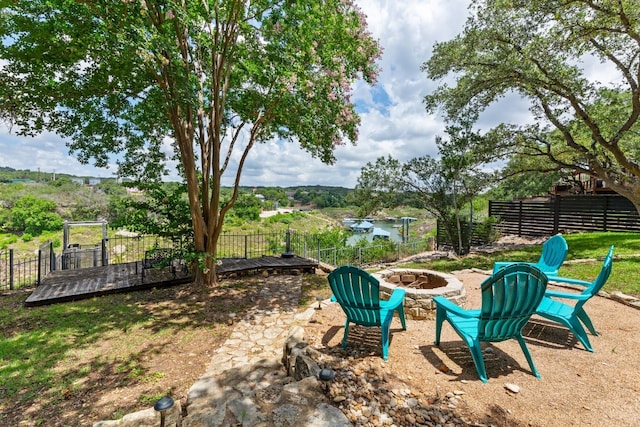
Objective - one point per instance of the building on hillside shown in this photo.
(581, 183)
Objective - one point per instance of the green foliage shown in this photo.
(333, 238)
(35, 216)
(284, 218)
(376, 250)
(111, 187)
(63, 182)
(485, 230)
(321, 197)
(282, 70)
(273, 194)
(26, 237)
(162, 211)
(542, 50)
(5, 241)
(525, 176)
(247, 207)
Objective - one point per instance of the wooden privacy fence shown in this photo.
(603, 212)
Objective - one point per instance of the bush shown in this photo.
(6, 241)
(27, 237)
(35, 216)
(485, 231)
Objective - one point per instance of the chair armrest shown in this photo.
(566, 295)
(568, 280)
(501, 264)
(395, 300)
(442, 302)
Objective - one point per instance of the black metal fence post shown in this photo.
(11, 273)
(52, 257)
(39, 264)
(105, 258)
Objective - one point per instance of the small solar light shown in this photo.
(162, 406)
(326, 375)
(319, 299)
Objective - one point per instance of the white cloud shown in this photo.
(394, 121)
(45, 152)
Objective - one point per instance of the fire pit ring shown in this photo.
(421, 286)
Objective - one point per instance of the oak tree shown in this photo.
(548, 52)
(206, 78)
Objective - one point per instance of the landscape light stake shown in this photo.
(162, 406)
(319, 299)
(326, 375)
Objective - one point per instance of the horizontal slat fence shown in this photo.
(603, 212)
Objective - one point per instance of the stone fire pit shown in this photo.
(421, 287)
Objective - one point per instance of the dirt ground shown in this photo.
(577, 388)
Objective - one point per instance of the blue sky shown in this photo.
(393, 119)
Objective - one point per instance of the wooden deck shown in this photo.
(239, 266)
(69, 285)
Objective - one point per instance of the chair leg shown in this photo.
(440, 316)
(576, 328)
(385, 342)
(527, 354)
(478, 360)
(582, 315)
(346, 334)
(403, 322)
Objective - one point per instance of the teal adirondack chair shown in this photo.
(572, 315)
(554, 252)
(509, 298)
(358, 293)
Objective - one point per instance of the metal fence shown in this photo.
(25, 272)
(363, 256)
(124, 249)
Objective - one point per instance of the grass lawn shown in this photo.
(105, 357)
(582, 246)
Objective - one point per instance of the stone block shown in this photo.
(408, 278)
(393, 279)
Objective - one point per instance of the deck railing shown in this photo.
(123, 249)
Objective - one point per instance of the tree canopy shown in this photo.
(441, 186)
(200, 80)
(547, 51)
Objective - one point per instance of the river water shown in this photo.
(392, 227)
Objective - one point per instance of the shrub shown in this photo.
(27, 237)
(35, 216)
(6, 241)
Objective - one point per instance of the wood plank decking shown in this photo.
(69, 285)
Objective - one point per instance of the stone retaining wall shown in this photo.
(421, 287)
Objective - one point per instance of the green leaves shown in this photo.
(569, 60)
(139, 81)
(33, 216)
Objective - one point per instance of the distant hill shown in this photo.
(8, 174)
